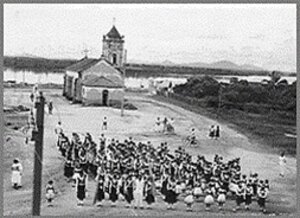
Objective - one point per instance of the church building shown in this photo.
(98, 81)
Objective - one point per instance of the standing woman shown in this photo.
(217, 133)
(128, 189)
(113, 187)
(68, 169)
(171, 197)
(282, 164)
(138, 191)
(149, 192)
(81, 187)
(16, 174)
(99, 196)
(165, 179)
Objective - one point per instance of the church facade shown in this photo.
(98, 81)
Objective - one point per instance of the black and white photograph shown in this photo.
(149, 109)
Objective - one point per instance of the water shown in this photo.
(131, 82)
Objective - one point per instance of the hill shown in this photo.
(168, 68)
(37, 64)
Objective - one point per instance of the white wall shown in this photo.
(94, 94)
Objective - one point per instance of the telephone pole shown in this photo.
(38, 155)
(219, 99)
(124, 73)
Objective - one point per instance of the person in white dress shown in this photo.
(282, 164)
(138, 192)
(16, 174)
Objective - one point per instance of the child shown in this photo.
(104, 124)
(248, 195)
(282, 163)
(221, 198)
(262, 195)
(212, 132)
(240, 192)
(208, 200)
(197, 190)
(50, 193)
(189, 200)
(266, 185)
(99, 191)
(16, 174)
(157, 125)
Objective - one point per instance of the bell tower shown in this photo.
(113, 47)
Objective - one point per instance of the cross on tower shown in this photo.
(114, 21)
(86, 51)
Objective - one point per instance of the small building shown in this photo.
(98, 81)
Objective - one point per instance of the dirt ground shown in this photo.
(140, 125)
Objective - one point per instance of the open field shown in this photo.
(255, 156)
(267, 129)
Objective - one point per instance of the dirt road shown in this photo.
(139, 124)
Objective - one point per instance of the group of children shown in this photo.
(164, 125)
(140, 173)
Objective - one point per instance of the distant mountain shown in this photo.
(168, 63)
(225, 65)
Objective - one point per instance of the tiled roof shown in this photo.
(96, 81)
(82, 65)
(114, 33)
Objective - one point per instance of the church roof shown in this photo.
(114, 33)
(82, 65)
(101, 81)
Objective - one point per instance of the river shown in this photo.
(130, 82)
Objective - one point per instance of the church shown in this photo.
(98, 81)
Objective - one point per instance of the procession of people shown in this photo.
(138, 174)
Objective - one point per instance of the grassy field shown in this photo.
(265, 129)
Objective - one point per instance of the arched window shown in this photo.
(114, 59)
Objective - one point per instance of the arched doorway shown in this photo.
(114, 59)
(105, 97)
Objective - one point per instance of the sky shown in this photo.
(259, 34)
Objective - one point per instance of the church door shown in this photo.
(105, 97)
(114, 59)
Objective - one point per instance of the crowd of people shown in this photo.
(139, 173)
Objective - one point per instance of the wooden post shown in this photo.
(38, 155)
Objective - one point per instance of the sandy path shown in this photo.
(139, 124)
